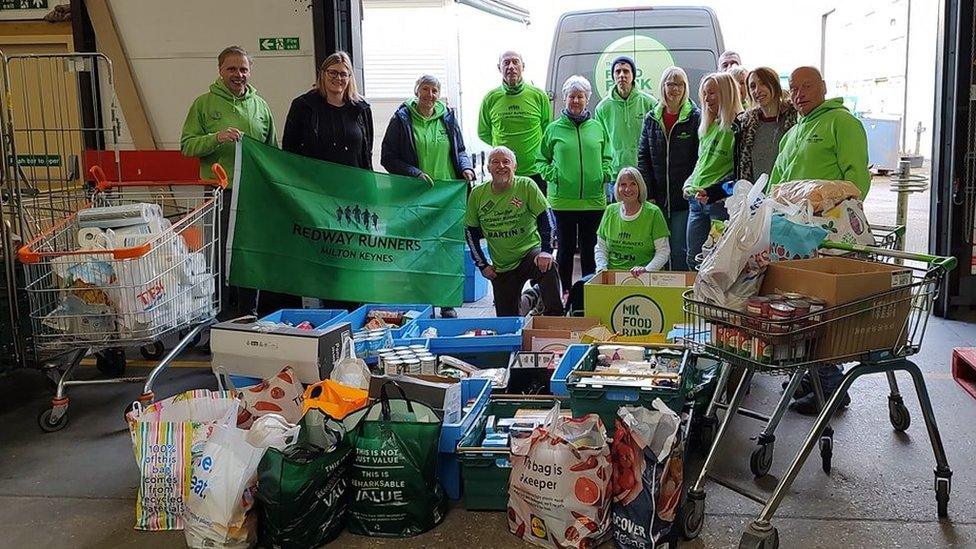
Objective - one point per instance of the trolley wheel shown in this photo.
(153, 351)
(756, 539)
(693, 515)
(49, 425)
(196, 339)
(898, 413)
(826, 452)
(110, 362)
(761, 459)
(942, 496)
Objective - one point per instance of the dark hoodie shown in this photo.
(316, 129)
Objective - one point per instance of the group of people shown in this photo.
(671, 161)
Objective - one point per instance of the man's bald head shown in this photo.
(807, 89)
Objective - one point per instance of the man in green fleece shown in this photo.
(230, 110)
(514, 115)
(216, 121)
(828, 142)
(622, 113)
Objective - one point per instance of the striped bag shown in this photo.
(167, 437)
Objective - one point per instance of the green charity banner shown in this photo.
(311, 228)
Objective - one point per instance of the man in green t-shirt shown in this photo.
(513, 216)
(514, 115)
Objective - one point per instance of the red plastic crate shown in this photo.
(964, 368)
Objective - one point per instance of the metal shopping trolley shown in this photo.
(136, 264)
(831, 336)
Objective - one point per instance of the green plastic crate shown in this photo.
(485, 471)
(605, 401)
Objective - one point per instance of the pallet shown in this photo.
(964, 368)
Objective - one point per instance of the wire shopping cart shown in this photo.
(137, 264)
(831, 336)
(886, 237)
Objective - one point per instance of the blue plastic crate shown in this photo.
(357, 319)
(317, 317)
(475, 285)
(450, 335)
(448, 466)
(571, 358)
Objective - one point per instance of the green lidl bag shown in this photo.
(395, 493)
(303, 490)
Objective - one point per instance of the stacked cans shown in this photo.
(415, 359)
(776, 316)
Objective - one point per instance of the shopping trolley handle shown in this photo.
(947, 263)
(102, 182)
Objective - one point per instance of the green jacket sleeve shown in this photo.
(194, 140)
(547, 168)
(546, 110)
(852, 157)
(272, 137)
(607, 159)
(484, 122)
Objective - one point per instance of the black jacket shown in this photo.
(665, 169)
(310, 121)
(399, 155)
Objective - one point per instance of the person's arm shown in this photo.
(607, 156)
(272, 136)
(545, 230)
(463, 160)
(546, 109)
(367, 152)
(484, 122)
(391, 155)
(600, 254)
(662, 253)
(644, 163)
(293, 136)
(546, 166)
(851, 143)
(195, 140)
(473, 235)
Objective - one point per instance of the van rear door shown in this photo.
(586, 42)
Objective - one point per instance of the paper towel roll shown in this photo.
(119, 216)
(92, 238)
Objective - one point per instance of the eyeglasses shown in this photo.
(337, 74)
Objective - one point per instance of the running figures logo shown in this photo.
(359, 217)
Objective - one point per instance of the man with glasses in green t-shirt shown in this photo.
(511, 213)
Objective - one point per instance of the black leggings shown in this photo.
(576, 228)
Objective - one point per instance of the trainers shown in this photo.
(448, 312)
(807, 405)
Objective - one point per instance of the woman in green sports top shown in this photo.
(633, 233)
(719, 96)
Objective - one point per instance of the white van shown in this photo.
(586, 42)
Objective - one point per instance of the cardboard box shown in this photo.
(239, 349)
(877, 323)
(554, 333)
(649, 304)
(443, 394)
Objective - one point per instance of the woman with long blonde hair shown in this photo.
(719, 95)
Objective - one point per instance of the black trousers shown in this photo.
(576, 229)
(507, 287)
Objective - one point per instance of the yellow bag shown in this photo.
(334, 399)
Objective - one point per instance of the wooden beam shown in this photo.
(110, 43)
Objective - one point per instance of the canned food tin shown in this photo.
(755, 305)
(393, 367)
(781, 311)
(418, 348)
(816, 305)
(428, 364)
(384, 351)
(793, 295)
(745, 344)
(411, 366)
(762, 350)
(801, 307)
(401, 348)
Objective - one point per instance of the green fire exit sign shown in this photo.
(278, 43)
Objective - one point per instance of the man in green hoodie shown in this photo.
(515, 115)
(216, 121)
(622, 113)
(230, 110)
(828, 142)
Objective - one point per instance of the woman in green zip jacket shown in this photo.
(575, 158)
(719, 95)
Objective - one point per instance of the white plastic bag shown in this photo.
(350, 370)
(733, 271)
(844, 222)
(559, 489)
(222, 484)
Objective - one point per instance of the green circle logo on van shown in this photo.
(637, 315)
(650, 55)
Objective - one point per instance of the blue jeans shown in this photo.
(678, 225)
(700, 218)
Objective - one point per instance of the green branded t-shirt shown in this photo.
(508, 220)
(630, 243)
